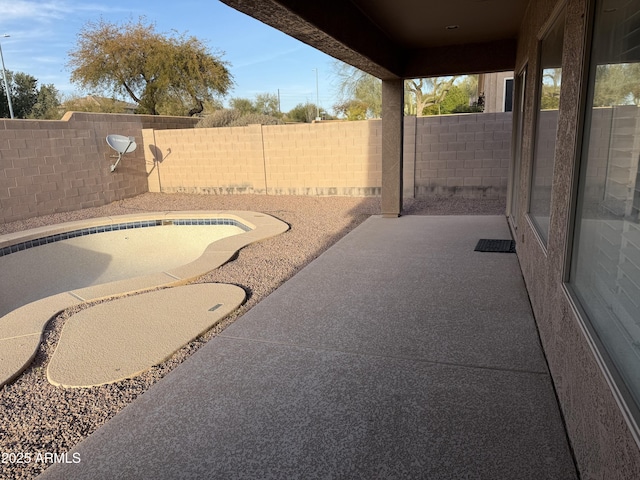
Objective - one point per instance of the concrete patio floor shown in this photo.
(398, 353)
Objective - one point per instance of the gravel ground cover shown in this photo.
(37, 418)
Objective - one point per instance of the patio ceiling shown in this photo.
(401, 38)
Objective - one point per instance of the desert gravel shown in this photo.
(38, 418)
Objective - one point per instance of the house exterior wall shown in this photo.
(49, 166)
(599, 433)
(493, 87)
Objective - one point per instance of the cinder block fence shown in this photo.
(49, 166)
(457, 154)
(57, 166)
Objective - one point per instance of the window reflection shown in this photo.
(551, 79)
(605, 272)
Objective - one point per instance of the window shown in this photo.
(547, 126)
(508, 95)
(518, 117)
(605, 263)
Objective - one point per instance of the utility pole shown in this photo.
(4, 77)
(317, 97)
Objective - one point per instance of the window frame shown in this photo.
(545, 31)
(629, 408)
(517, 145)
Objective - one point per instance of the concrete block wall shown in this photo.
(49, 166)
(333, 158)
(223, 160)
(464, 155)
(57, 166)
(329, 158)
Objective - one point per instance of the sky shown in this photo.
(262, 59)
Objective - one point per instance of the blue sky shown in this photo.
(262, 59)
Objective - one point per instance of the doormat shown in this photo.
(490, 245)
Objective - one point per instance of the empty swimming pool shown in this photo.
(76, 256)
(49, 269)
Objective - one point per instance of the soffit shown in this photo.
(423, 23)
(401, 38)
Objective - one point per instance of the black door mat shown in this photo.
(501, 246)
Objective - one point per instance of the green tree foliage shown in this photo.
(455, 101)
(302, 113)
(469, 85)
(268, 104)
(427, 92)
(352, 109)
(263, 104)
(551, 81)
(357, 89)
(24, 95)
(617, 84)
(153, 69)
(47, 106)
(242, 105)
(27, 100)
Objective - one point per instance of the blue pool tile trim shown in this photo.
(119, 226)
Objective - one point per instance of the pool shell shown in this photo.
(21, 329)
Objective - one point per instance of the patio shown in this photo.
(434, 371)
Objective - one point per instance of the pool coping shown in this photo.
(21, 329)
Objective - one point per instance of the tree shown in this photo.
(357, 89)
(551, 80)
(263, 104)
(27, 100)
(429, 91)
(242, 105)
(455, 101)
(268, 104)
(303, 112)
(359, 86)
(47, 106)
(151, 68)
(352, 109)
(616, 84)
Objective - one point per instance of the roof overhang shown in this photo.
(393, 39)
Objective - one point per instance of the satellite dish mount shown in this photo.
(122, 145)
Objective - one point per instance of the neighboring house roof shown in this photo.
(99, 101)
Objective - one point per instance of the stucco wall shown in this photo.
(49, 166)
(602, 441)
